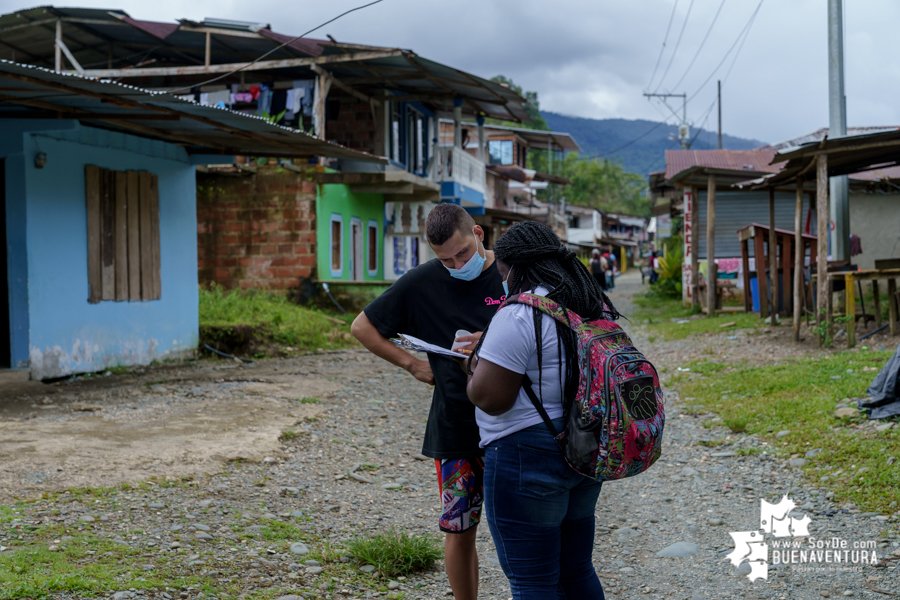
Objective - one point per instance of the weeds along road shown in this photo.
(213, 480)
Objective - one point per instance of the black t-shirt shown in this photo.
(431, 305)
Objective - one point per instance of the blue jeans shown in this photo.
(541, 515)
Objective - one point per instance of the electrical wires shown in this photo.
(663, 49)
(705, 37)
(675, 49)
(275, 49)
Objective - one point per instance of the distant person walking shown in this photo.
(540, 511)
(654, 268)
(598, 268)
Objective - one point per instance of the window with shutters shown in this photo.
(123, 235)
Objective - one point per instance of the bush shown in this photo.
(395, 553)
(669, 282)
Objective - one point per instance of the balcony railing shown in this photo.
(457, 165)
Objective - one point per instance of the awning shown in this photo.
(111, 44)
(403, 185)
(35, 93)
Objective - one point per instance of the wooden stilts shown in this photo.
(773, 256)
(822, 294)
(711, 245)
(893, 302)
(798, 256)
(695, 250)
(850, 295)
(877, 302)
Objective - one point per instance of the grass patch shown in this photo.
(800, 396)
(395, 553)
(661, 316)
(84, 564)
(309, 400)
(262, 323)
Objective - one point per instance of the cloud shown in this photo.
(594, 58)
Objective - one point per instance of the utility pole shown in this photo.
(837, 127)
(720, 114)
(684, 129)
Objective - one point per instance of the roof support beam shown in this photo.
(245, 66)
(823, 284)
(343, 86)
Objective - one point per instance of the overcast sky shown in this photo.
(595, 58)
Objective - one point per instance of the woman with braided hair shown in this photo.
(540, 511)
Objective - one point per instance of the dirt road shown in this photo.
(349, 463)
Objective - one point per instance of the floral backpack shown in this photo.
(614, 425)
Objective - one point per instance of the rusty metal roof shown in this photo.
(112, 44)
(684, 164)
(33, 93)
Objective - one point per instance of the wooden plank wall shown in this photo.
(123, 235)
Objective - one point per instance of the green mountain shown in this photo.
(638, 145)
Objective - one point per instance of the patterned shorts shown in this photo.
(462, 492)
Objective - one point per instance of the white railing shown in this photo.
(454, 164)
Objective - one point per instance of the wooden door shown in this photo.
(356, 238)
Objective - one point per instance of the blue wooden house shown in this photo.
(98, 218)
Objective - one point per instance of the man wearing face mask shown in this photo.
(460, 289)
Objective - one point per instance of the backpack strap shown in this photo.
(547, 306)
(529, 391)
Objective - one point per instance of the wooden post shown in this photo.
(206, 56)
(877, 302)
(773, 256)
(893, 301)
(762, 286)
(711, 246)
(822, 235)
(850, 308)
(323, 86)
(57, 50)
(798, 256)
(695, 250)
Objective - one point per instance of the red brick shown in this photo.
(222, 273)
(308, 261)
(285, 249)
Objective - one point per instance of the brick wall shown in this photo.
(256, 231)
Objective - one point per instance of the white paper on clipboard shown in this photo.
(413, 343)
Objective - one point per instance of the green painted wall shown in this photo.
(337, 199)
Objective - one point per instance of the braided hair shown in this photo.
(537, 258)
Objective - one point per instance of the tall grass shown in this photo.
(274, 319)
(395, 553)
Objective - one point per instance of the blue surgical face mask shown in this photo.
(505, 283)
(472, 269)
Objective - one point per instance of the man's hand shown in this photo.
(421, 370)
(471, 340)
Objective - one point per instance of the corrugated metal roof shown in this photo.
(679, 162)
(98, 38)
(538, 138)
(34, 93)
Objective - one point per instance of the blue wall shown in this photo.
(66, 334)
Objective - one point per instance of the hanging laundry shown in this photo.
(255, 91)
(855, 245)
(186, 97)
(289, 106)
(223, 96)
(242, 97)
(306, 99)
(295, 99)
(204, 98)
(279, 102)
(264, 101)
(220, 104)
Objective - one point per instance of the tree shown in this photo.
(532, 108)
(598, 183)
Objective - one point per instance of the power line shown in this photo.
(677, 43)
(742, 35)
(275, 49)
(663, 49)
(705, 37)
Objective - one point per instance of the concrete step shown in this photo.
(13, 376)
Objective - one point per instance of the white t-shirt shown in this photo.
(510, 342)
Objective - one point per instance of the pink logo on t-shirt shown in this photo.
(490, 301)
